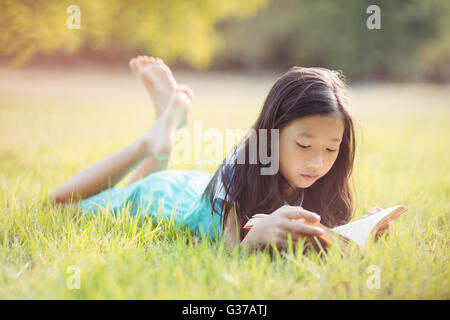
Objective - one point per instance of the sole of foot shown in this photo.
(159, 82)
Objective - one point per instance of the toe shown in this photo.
(142, 62)
(133, 65)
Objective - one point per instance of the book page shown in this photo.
(360, 230)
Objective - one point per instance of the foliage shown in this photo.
(170, 29)
(413, 41)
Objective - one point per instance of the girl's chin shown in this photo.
(300, 182)
(305, 183)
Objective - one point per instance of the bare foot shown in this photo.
(158, 80)
(159, 140)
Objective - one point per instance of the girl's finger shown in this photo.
(298, 229)
(372, 211)
(368, 214)
(297, 212)
(259, 215)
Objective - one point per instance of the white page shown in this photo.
(359, 231)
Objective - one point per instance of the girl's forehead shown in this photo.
(317, 126)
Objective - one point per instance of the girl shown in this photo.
(309, 107)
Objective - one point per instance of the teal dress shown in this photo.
(172, 194)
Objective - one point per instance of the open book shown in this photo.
(360, 231)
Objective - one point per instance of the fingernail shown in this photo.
(321, 231)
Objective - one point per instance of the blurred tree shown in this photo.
(413, 42)
(171, 29)
(433, 54)
(414, 39)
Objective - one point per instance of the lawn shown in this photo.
(53, 124)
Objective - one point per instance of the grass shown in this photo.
(46, 137)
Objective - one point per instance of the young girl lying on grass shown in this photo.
(316, 151)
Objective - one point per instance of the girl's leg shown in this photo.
(157, 142)
(148, 166)
(160, 84)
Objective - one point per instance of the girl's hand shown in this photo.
(372, 211)
(274, 228)
(385, 228)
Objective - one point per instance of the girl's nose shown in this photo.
(315, 162)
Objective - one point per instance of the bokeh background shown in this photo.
(412, 44)
(68, 98)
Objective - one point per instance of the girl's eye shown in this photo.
(302, 146)
(305, 147)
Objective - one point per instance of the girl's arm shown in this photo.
(148, 166)
(274, 228)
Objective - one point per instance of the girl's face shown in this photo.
(308, 148)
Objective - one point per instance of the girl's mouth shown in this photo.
(308, 177)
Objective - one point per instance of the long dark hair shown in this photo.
(297, 93)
